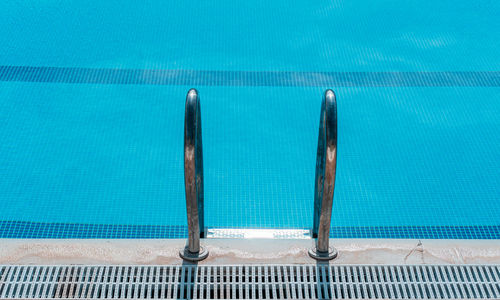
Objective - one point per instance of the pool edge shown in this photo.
(247, 251)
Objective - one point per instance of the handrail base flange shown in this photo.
(190, 256)
(331, 254)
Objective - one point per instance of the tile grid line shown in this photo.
(77, 75)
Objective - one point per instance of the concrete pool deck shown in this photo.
(247, 251)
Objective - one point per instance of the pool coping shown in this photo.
(247, 251)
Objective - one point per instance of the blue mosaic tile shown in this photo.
(31, 230)
(91, 123)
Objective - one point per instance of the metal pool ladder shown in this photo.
(193, 178)
(326, 163)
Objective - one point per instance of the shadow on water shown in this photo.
(323, 286)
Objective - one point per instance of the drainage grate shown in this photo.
(250, 282)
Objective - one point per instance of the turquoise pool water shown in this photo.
(92, 106)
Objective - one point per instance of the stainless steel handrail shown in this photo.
(193, 178)
(326, 163)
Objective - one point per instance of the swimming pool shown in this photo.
(92, 108)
